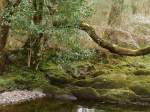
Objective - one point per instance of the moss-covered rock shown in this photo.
(80, 69)
(53, 68)
(142, 72)
(51, 90)
(141, 88)
(86, 93)
(59, 80)
(110, 81)
(121, 95)
(83, 82)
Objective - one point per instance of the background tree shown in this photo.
(60, 21)
(115, 16)
(5, 21)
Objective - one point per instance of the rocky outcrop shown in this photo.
(120, 37)
(112, 85)
(116, 36)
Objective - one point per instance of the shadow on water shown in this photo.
(49, 105)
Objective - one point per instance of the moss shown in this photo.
(142, 72)
(121, 95)
(59, 80)
(80, 69)
(5, 84)
(110, 81)
(83, 82)
(23, 78)
(141, 88)
(56, 74)
(86, 93)
(106, 82)
(53, 90)
(53, 68)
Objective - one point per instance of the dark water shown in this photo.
(48, 105)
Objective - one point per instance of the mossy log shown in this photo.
(112, 47)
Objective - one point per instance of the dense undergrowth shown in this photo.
(116, 79)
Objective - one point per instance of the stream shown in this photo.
(49, 105)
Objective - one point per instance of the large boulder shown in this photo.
(141, 40)
(115, 36)
(120, 96)
(120, 37)
(87, 93)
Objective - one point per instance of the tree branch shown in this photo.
(112, 47)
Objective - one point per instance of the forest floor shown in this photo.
(120, 80)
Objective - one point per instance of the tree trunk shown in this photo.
(4, 30)
(115, 16)
(134, 7)
(112, 47)
(33, 44)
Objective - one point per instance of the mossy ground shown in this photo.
(123, 80)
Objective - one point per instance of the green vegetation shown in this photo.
(51, 54)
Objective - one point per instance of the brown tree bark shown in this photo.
(4, 30)
(112, 47)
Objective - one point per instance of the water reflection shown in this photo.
(48, 105)
(82, 109)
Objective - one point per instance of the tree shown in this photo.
(112, 47)
(133, 6)
(56, 18)
(4, 29)
(6, 21)
(34, 18)
(115, 16)
(33, 44)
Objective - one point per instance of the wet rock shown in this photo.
(65, 97)
(121, 95)
(86, 93)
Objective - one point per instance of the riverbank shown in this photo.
(121, 81)
(15, 97)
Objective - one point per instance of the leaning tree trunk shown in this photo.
(115, 16)
(4, 30)
(33, 44)
(112, 47)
